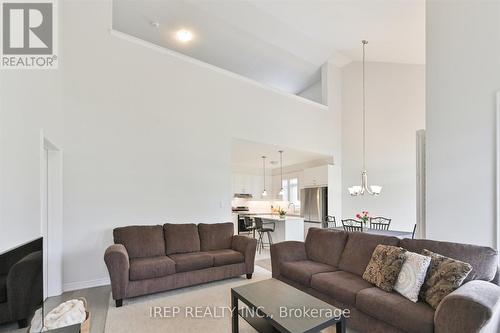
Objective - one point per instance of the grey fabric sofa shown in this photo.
(330, 264)
(150, 259)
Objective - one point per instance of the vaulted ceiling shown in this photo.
(281, 43)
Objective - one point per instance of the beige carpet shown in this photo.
(264, 263)
(135, 317)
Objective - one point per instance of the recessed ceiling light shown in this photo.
(184, 35)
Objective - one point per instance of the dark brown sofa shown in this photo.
(21, 283)
(330, 264)
(150, 259)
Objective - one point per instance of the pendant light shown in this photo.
(264, 193)
(282, 192)
(364, 187)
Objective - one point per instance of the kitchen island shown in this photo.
(286, 228)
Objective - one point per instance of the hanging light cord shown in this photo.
(364, 108)
(264, 167)
(281, 167)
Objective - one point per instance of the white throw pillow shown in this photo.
(412, 275)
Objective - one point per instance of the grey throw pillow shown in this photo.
(412, 275)
(384, 266)
(444, 276)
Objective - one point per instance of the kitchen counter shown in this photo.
(288, 228)
(275, 217)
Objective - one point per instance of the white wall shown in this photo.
(148, 136)
(463, 74)
(29, 104)
(314, 92)
(395, 110)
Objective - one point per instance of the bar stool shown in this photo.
(249, 225)
(259, 226)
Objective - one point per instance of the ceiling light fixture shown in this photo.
(184, 35)
(282, 192)
(264, 193)
(364, 187)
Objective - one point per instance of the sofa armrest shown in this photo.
(470, 308)
(117, 261)
(247, 247)
(286, 251)
(23, 281)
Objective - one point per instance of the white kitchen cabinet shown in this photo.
(317, 176)
(251, 184)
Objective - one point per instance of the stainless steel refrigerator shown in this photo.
(314, 205)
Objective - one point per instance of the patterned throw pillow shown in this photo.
(412, 275)
(384, 266)
(444, 276)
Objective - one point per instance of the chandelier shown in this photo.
(364, 187)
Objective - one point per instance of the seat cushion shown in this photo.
(216, 236)
(325, 246)
(3, 288)
(181, 238)
(359, 249)
(341, 286)
(141, 241)
(149, 268)
(396, 310)
(484, 260)
(186, 262)
(226, 257)
(302, 271)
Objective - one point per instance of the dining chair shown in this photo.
(380, 223)
(329, 222)
(264, 228)
(352, 225)
(414, 230)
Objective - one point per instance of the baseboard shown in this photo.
(85, 284)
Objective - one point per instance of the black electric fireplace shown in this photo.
(21, 284)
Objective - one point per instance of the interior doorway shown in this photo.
(51, 216)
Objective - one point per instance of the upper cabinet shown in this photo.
(251, 184)
(317, 176)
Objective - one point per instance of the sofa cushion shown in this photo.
(186, 262)
(302, 271)
(181, 238)
(396, 310)
(325, 246)
(341, 286)
(412, 275)
(3, 288)
(226, 257)
(149, 268)
(359, 248)
(141, 241)
(385, 266)
(443, 276)
(216, 236)
(484, 260)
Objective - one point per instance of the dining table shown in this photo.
(393, 233)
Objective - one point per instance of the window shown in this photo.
(293, 191)
(284, 186)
